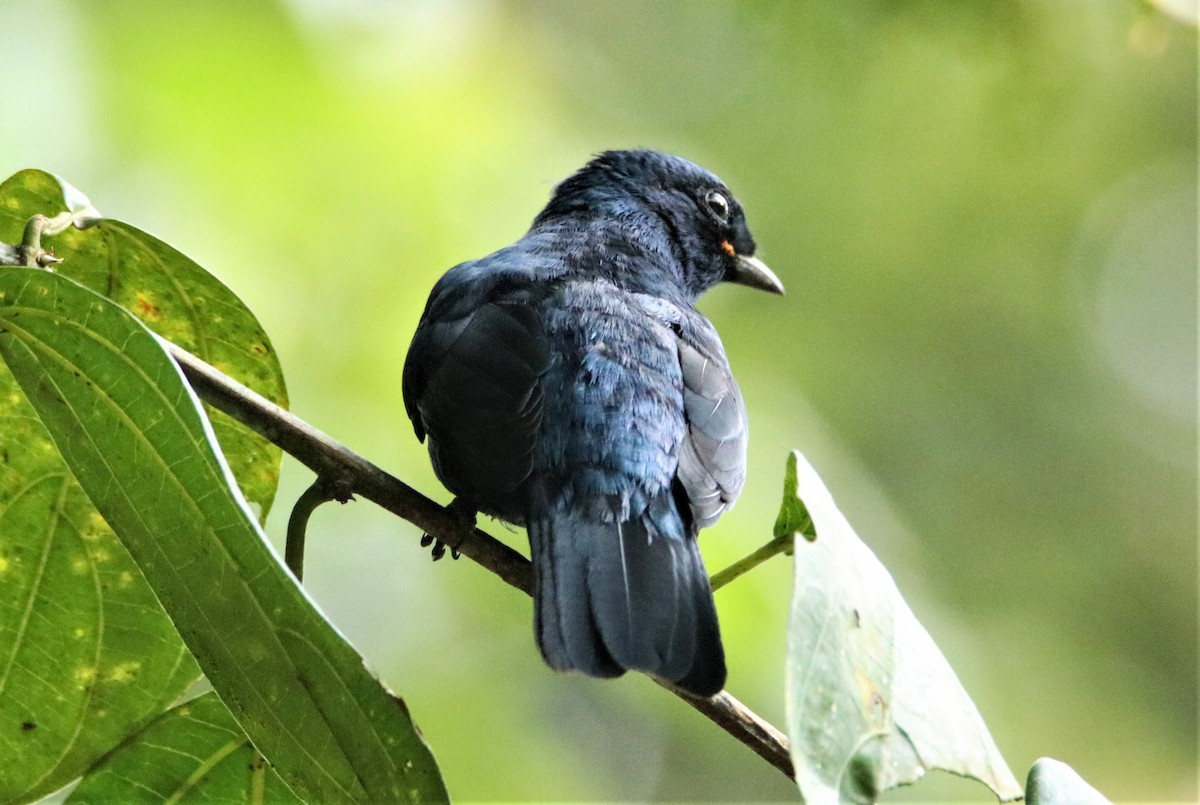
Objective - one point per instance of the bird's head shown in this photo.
(702, 220)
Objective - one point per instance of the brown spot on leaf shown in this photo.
(145, 309)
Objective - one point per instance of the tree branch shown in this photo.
(329, 459)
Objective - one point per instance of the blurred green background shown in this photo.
(985, 214)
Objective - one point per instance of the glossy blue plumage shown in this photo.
(567, 383)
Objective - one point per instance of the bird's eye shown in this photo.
(719, 205)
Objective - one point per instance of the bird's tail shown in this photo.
(633, 595)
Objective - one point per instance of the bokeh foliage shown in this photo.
(985, 214)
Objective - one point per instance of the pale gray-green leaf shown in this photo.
(871, 702)
(1052, 782)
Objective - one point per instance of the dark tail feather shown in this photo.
(566, 631)
(613, 597)
(706, 677)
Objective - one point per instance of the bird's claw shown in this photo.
(466, 515)
(439, 547)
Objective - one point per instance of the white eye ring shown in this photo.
(719, 205)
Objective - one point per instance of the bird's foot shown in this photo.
(439, 547)
(465, 514)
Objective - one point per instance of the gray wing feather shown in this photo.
(712, 457)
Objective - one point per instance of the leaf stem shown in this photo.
(782, 544)
(30, 251)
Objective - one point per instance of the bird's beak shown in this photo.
(752, 272)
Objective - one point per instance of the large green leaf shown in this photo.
(87, 654)
(135, 436)
(195, 752)
(871, 702)
(173, 296)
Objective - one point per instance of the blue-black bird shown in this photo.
(567, 383)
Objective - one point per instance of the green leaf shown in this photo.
(1052, 782)
(871, 702)
(195, 752)
(87, 655)
(135, 436)
(171, 295)
(793, 518)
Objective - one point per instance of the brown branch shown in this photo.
(329, 459)
(758, 734)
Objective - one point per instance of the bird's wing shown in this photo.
(471, 385)
(712, 456)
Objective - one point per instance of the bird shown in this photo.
(568, 384)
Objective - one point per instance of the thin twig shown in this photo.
(328, 458)
(11, 255)
(747, 563)
(322, 490)
(29, 253)
(758, 734)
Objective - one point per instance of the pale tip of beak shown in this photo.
(754, 273)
